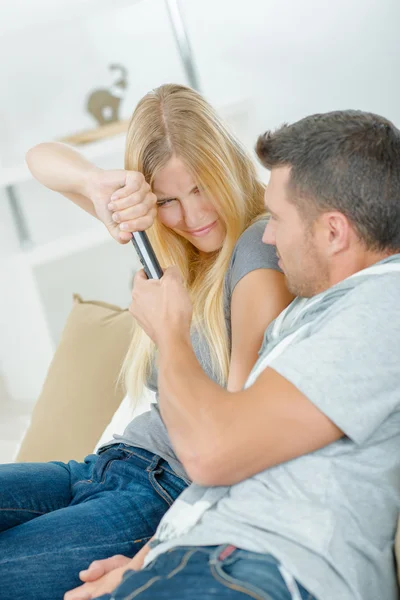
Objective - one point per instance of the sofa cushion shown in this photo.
(80, 393)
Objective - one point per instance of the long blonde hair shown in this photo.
(174, 120)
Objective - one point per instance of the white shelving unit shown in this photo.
(26, 323)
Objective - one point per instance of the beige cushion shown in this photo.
(80, 394)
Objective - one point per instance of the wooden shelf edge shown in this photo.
(93, 135)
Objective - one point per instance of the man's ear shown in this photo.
(337, 231)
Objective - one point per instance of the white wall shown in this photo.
(292, 57)
(287, 58)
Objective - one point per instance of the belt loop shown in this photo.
(154, 464)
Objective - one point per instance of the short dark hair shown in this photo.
(345, 160)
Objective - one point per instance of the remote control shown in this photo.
(147, 255)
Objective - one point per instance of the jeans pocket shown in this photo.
(259, 576)
(95, 467)
(221, 573)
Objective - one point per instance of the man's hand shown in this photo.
(162, 307)
(122, 200)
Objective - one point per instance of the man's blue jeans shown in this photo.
(211, 573)
(56, 518)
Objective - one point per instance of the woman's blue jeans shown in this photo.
(210, 573)
(56, 518)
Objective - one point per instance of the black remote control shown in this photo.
(147, 255)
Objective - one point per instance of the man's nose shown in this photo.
(269, 234)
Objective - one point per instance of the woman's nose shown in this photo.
(194, 214)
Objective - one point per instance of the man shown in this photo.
(296, 478)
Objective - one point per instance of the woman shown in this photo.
(190, 182)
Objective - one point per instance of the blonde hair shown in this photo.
(174, 120)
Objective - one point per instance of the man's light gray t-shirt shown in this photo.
(329, 516)
(148, 430)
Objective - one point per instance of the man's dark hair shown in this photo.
(347, 161)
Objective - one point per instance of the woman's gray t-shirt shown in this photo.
(148, 431)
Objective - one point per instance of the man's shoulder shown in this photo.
(380, 291)
(361, 318)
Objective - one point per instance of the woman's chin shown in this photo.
(207, 246)
(212, 242)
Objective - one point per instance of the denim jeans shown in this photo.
(56, 518)
(210, 573)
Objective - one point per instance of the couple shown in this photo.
(296, 484)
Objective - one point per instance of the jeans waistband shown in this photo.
(145, 455)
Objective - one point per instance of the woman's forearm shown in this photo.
(62, 169)
(137, 561)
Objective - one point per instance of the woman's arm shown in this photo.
(103, 576)
(257, 299)
(62, 169)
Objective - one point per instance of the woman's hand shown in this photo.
(99, 568)
(103, 576)
(93, 589)
(162, 307)
(122, 200)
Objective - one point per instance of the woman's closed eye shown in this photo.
(165, 202)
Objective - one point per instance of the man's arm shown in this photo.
(223, 437)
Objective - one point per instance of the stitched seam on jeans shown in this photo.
(36, 512)
(233, 584)
(166, 469)
(139, 590)
(171, 472)
(160, 490)
(133, 453)
(82, 481)
(145, 539)
(104, 474)
(182, 564)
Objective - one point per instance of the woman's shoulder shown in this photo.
(253, 234)
(250, 253)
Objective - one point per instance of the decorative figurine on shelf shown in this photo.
(104, 104)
